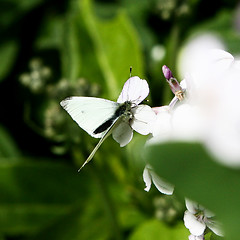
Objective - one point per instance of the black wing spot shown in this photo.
(120, 111)
(104, 126)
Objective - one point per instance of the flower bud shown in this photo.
(167, 72)
(173, 83)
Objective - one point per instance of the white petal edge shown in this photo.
(161, 185)
(195, 227)
(191, 206)
(147, 179)
(134, 90)
(122, 134)
(144, 118)
(215, 227)
(192, 237)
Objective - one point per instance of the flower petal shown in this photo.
(192, 206)
(150, 176)
(144, 118)
(134, 90)
(122, 134)
(161, 185)
(195, 226)
(215, 227)
(192, 237)
(162, 124)
(147, 179)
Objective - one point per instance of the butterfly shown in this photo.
(101, 117)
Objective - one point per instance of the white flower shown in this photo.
(213, 81)
(161, 127)
(150, 176)
(181, 122)
(210, 111)
(192, 237)
(197, 218)
(193, 53)
(160, 130)
(213, 90)
(135, 90)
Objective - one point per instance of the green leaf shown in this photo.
(70, 46)
(75, 225)
(24, 4)
(51, 33)
(130, 217)
(196, 175)
(35, 194)
(8, 147)
(63, 34)
(215, 237)
(212, 236)
(154, 229)
(8, 53)
(12, 10)
(116, 44)
(89, 220)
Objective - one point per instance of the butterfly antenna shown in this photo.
(92, 153)
(99, 144)
(130, 71)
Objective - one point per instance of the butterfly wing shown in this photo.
(90, 112)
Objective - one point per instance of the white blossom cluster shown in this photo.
(205, 109)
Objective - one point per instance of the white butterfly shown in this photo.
(100, 117)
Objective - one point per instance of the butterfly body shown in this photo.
(124, 110)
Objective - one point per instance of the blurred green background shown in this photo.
(53, 49)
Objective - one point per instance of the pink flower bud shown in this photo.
(166, 72)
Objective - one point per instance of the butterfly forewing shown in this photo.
(90, 112)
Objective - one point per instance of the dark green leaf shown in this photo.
(196, 175)
(70, 46)
(34, 194)
(154, 229)
(12, 10)
(24, 4)
(77, 225)
(8, 53)
(130, 217)
(117, 47)
(8, 147)
(51, 33)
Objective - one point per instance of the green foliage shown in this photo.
(8, 148)
(8, 53)
(12, 10)
(117, 33)
(86, 47)
(153, 229)
(30, 199)
(201, 179)
(224, 26)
